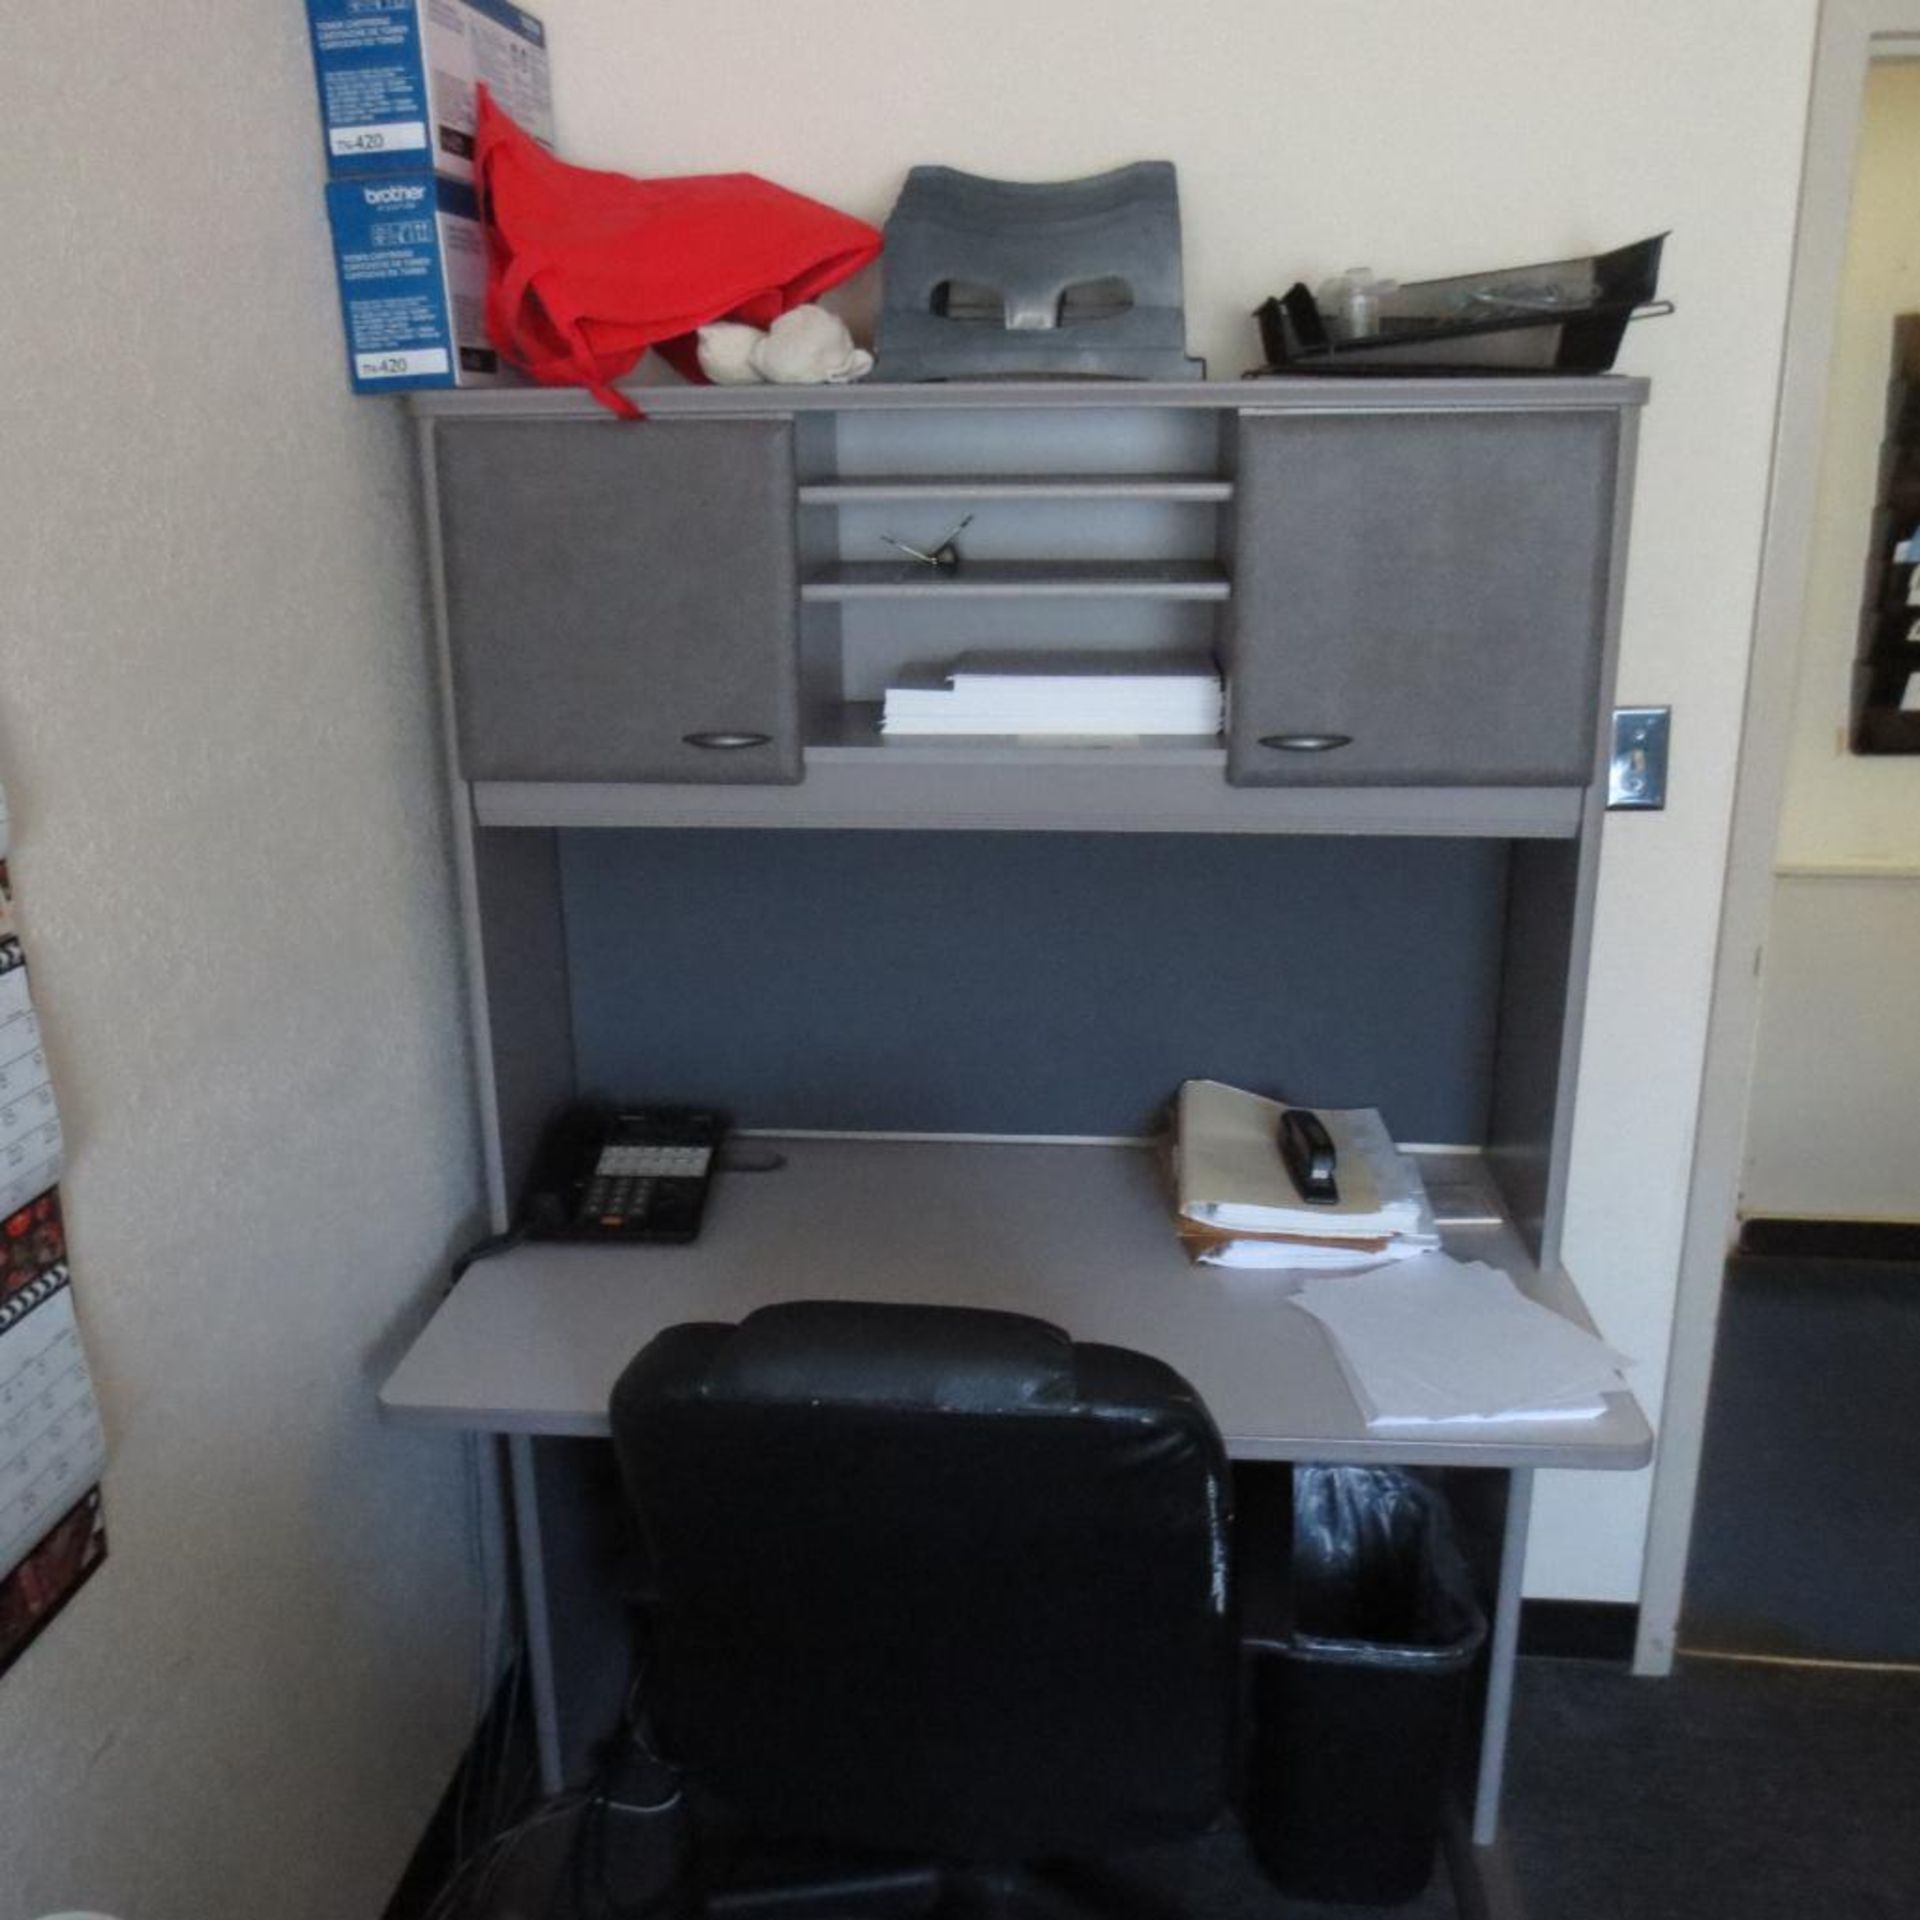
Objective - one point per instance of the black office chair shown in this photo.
(934, 1582)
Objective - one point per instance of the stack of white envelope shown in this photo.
(1085, 693)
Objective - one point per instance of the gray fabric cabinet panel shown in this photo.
(612, 589)
(1426, 593)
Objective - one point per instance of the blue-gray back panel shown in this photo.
(1033, 983)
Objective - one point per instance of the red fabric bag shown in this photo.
(586, 270)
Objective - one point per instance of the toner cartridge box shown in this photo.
(412, 264)
(397, 79)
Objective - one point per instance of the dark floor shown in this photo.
(1806, 1533)
(1755, 1792)
(1746, 1791)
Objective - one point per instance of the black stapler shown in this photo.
(1307, 1150)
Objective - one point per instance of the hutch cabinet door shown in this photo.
(1419, 599)
(620, 598)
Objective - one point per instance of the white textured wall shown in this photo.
(1835, 1108)
(1419, 140)
(215, 734)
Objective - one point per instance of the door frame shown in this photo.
(1850, 35)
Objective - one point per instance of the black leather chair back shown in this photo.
(935, 1578)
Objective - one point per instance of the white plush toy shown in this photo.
(808, 347)
(726, 353)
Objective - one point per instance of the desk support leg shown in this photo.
(536, 1614)
(1502, 1657)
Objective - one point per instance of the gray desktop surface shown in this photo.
(826, 980)
(532, 1340)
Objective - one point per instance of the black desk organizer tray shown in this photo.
(1558, 316)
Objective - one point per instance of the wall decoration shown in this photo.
(52, 1448)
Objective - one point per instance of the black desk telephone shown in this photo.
(636, 1174)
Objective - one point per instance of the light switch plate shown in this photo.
(1637, 773)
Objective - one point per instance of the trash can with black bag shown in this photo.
(1357, 1681)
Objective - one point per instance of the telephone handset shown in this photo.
(638, 1173)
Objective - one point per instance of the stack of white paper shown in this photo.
(1238, 1205)
(1442, 1342)
(1098, 694)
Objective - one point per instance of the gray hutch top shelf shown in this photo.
(1411, 586)
(1300, 395)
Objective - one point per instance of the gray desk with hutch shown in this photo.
(961, 978)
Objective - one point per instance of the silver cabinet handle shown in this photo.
(1306, 742)
(725, 742)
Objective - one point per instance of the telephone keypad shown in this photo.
(628, 1162)
(648, 1177)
